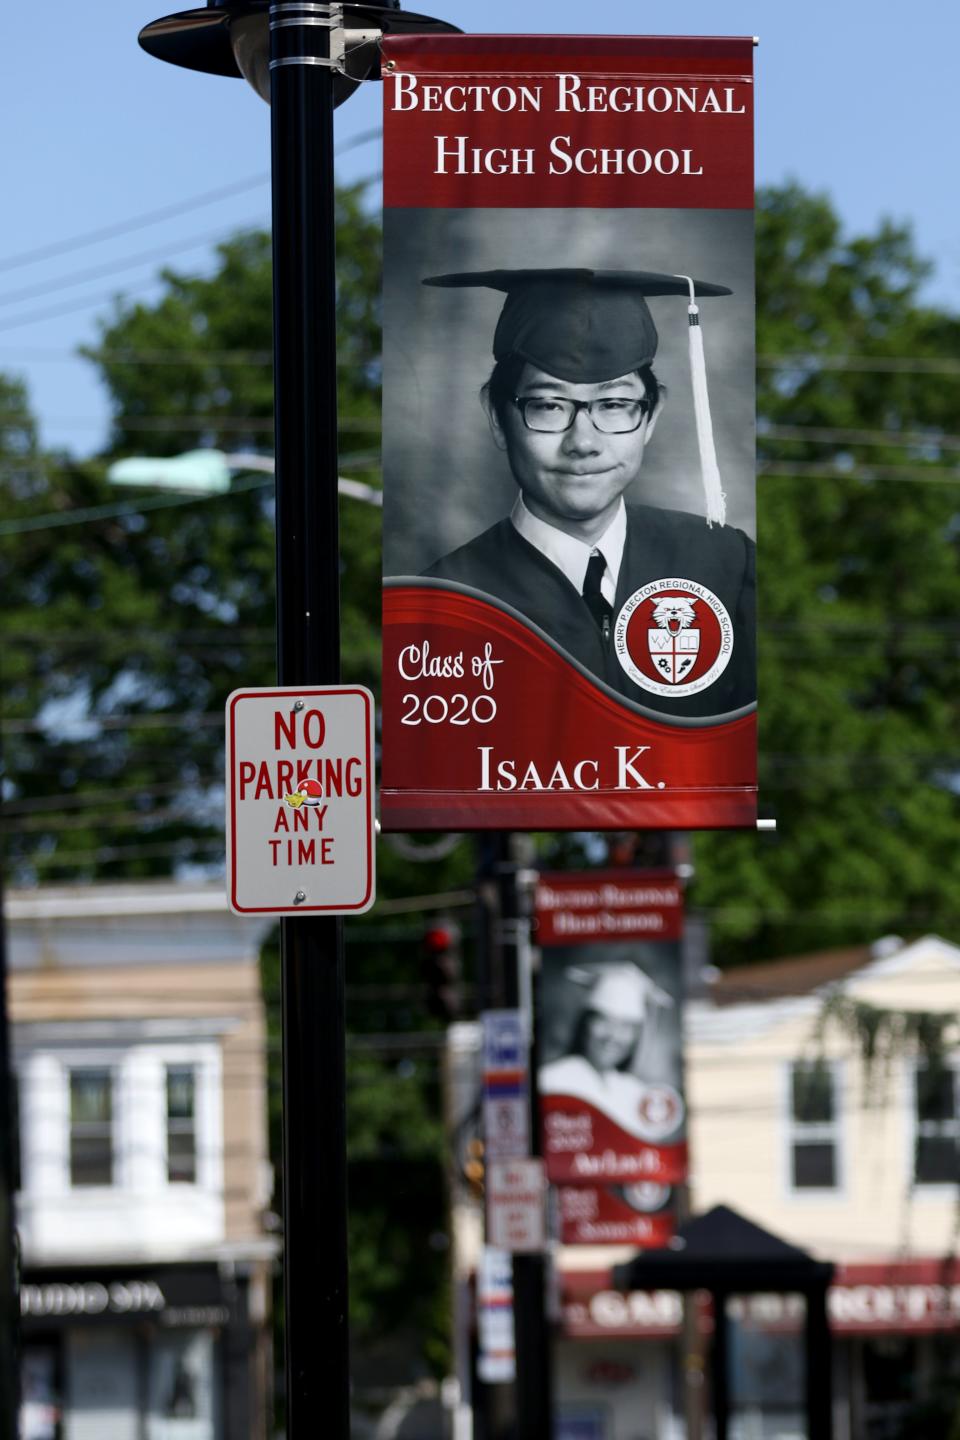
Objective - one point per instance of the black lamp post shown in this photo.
(305, 59)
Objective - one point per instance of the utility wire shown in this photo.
(896, 364)
(807, 434)
(97, 272)
(136, 222)
(815, 469)
(115, 510)
(823, 435)
(906, 364)
(27, 816)
(154, 217)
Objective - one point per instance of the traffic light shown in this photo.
(440, 964)
(473, 1167)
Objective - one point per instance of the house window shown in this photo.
(181, 1124)
(91, 1127)
(937, 1126)
(814, 1126)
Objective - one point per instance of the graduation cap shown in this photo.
(622, 991)
(585, 326)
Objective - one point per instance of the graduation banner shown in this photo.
(569, 575)
(610, 1081)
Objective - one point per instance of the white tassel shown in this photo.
(709, 469)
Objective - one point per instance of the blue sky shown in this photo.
(854, 99)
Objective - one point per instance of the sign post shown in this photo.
(300, 825)
(304, 59)
(308, 653)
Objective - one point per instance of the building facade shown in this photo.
(856, 1162)
(139, 1052)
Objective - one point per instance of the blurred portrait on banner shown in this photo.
(610, 1078)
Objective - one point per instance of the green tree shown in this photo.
(859, 515)
(124, 635)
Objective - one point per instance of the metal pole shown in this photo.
(9, 1308)
(534, 1381)
(719, 1366)
(818, 1385)
(308, 653)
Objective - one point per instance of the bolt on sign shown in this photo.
(300, 819)
(569, 618)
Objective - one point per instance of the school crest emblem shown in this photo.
(673, 637)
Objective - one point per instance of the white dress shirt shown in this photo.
(571, 555)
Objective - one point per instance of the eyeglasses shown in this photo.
(552, 414)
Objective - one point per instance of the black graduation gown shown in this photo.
(660, 544)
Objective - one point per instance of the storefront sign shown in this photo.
(899, 1298)
(569, 631)
(300, 801)
(177, 1298)
(91, 1297)
(611, 1093)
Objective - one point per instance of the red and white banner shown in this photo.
(568, 293)
(611, 1075)
(639, 1215)
(574, 906)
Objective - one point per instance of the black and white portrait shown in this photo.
(542, 447)
(611, 1036)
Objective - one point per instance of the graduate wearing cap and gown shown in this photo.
(573, 402)
(598, 1069)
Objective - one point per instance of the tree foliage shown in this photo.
(859, 516)
(124, 634)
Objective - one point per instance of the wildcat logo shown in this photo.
(673, 645)
(673, 637)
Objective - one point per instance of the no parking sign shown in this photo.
(300, 819)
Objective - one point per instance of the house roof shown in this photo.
(793, 975)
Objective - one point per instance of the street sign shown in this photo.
(300, 795)
(506, 1085)
(515, 1205)
(496, 1341)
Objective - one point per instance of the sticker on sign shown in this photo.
(300, 822)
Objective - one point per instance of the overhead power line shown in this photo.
(919, 364)
(156, 217)
(115, 510)
(824, 435)
(136, 222)
(807, 434)
(145, 257)
(819, 470)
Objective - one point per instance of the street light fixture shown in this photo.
(231, 37)
(208, 472)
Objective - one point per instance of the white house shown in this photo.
(139, 1049)
(858, 1164)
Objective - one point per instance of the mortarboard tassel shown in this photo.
(709, 469)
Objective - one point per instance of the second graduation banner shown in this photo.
(569, 624)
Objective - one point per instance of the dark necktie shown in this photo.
(596, 603)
